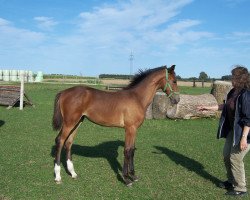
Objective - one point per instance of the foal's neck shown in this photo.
(147, 89)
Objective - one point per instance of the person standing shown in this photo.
(234, 125)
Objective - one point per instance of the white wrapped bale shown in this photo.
(6, 75)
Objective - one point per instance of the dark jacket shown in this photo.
(242, 117)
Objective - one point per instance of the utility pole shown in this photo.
(131, 58)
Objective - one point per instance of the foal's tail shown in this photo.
(57, 117)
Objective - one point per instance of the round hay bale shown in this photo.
(160, 105)
(187, 107)
(220, 90)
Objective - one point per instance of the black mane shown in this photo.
(141, 75)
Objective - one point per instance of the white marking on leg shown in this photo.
(57, 170)
(70, 167)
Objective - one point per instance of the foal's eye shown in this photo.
(174, 81)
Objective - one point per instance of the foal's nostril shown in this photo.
(175, 99)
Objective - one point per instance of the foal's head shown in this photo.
(169, 85)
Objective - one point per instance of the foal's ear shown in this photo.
(171, 68)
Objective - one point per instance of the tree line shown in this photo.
(202, 77)
(115, 76)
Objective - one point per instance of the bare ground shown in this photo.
(180, 83)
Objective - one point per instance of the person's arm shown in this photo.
(243, 141)
(245, 120)
(212, 108)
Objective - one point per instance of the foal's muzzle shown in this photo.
(174, 98)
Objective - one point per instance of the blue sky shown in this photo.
(92, 37)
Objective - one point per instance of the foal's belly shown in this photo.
(106, 119)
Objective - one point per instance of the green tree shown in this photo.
(226, 77)
(178, 77)
(203, 76)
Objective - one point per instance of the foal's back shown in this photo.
(102, 107)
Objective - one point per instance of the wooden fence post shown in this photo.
(21, 92)
(194, 85)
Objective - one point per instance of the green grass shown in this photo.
(194, 91)
(175, 159)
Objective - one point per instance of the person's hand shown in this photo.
(243, 143)
(202, 108)
(207, 108)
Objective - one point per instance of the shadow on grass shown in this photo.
(107, 150)
(188, 163)
(2, 123)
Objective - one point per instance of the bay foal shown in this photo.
(125, 108)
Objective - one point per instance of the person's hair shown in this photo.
(240, 77)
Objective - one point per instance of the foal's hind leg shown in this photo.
(60, 139)
(68, 145)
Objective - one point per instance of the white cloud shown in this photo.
(142, 26)
(105, 36)
(233, 3)
(241, 34)
(45, 23)
(239, 38)
(134, 15)
(178, 33)
(4, 22)
(10, 36)
(150, 28)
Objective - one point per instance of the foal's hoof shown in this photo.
(129, 184)
(127, 181)
(58, 182)
(74, 176)
(134, 178)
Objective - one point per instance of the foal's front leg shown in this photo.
(125, 170)
(128, 167)
(131, 166)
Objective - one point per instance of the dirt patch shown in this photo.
(180, 83)
(115, 81)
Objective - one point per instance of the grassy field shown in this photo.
(175, 159)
